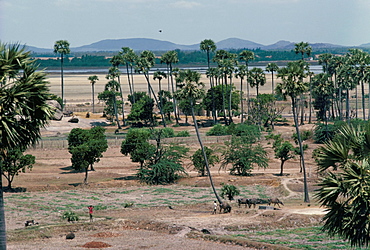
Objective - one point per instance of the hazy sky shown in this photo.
(42, 22)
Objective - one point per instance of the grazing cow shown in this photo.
(275, 201)
(253, 202)
(226, 207)
(243, 201)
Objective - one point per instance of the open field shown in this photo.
(131, 215)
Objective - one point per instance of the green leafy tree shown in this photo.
(86, 147)
(229, 191)
(23, 109)
(293, 85)
(142, 109)
(284, 150)
(15, 162)
(61, 47)
(264, 111)
(198, 160)
(137, 145)
(243, 156)
(345, 193)
(93, 79)
(165, 165)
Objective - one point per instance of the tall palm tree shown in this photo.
(209, 46)
(303, 48)
(191, 92)
(23, 108)
(170, 58)
(128, 58)
(272, 67)
(159, 75)
(62, 47)
(292, 85)
(93, 79)
(143, 65)
(246, 56)
(345, 193)
(113, 74)
(241, 73)
(256, 79)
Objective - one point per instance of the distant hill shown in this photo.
(139, 44)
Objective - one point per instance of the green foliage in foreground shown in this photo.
(229, 191)
(70, 216)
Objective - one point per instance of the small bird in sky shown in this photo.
(160, 31)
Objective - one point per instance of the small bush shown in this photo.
(218, 129)
(230, 191)
(70, 216)
(184, 133)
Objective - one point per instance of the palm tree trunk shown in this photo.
(2, 213)
(241, 100)
(306, 197)
(93, 99)
(123, 102)
(363, 100)
(204, 154)
(156, 100)
(62, 79)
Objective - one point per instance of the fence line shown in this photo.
(63, 143)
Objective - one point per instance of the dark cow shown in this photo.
(226, 207)
(275, 201)
(243, 201)
(253, 202)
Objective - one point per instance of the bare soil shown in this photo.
(169, 218)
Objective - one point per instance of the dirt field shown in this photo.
(130, 215)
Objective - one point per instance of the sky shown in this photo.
(81, 22)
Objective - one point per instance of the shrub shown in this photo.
(218, 129)
(230, 191)
(184, 133)
(70, 216)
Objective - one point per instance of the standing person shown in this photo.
(214, 207)
(91, 212)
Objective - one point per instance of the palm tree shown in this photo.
(345, 193)
(23, 108)
(272, 67)
(191, 92)
(256, 79)
(303, 48)
(62, 47)
(143, 65)
(129, 58)
(241, 72)
(209, 46)
(170, 58)
(93, 80)
(159, 75)
(292, 85)
(246, 56)
(113, 74)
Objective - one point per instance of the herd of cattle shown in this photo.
(250, 202)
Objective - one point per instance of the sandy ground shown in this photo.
(150, 223)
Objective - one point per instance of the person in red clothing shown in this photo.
(91, 212)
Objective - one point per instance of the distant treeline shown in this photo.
(198, 58)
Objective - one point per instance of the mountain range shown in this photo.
(139, 44)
